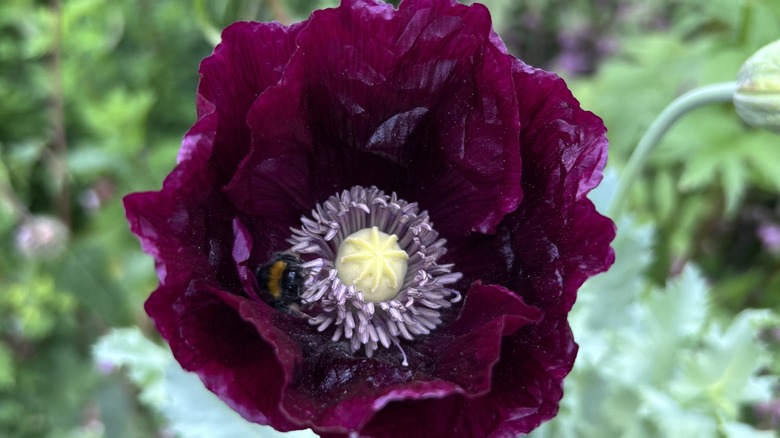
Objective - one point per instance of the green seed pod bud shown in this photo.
(757, 99)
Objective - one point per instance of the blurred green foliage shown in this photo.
(711, 173)
(118, 79)
(95, 96)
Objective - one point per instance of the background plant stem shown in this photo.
(689, 101)
(58, 163)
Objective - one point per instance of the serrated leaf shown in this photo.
(665, 322)
(195, 412)
(675, 420)
(725, 369)
(618, 412)
(742, 430)
(192, 410)
(661, 367)
(144, 360)
(682, 306)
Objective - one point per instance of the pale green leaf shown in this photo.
(143, 359)
(192, 410)
(603, 300)
(602, 195)
(742, 430)
(725, 370)
(683, 305)
(674, 420)
(656, 365)
(195, 412)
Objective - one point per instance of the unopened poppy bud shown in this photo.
(757, 99)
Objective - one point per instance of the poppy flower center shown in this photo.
(373, 262)
(375, 275)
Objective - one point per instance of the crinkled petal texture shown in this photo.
(423, 101)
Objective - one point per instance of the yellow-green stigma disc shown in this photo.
(373, 262)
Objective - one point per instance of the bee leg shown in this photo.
(291, 309)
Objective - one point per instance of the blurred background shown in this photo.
(95, 96)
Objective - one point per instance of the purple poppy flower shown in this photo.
(433, 187)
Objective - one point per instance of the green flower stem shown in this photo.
(715, 93)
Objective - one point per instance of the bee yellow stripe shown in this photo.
(275, 278)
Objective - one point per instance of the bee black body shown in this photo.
(281, 282)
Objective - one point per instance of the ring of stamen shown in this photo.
(361, 319)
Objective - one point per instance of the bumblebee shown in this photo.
(281, 282)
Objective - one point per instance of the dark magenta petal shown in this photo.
(321, 384)
(185, 225)
(278, 187)
(525, 391)
(541, 357)
(524, 387)
(555, 240)
(556, 261)
(558, 238)
(251, 58)
(422, 110)
(543, 251)
(466, 351)
(208, 337)
(568, 144)
(337, 392)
